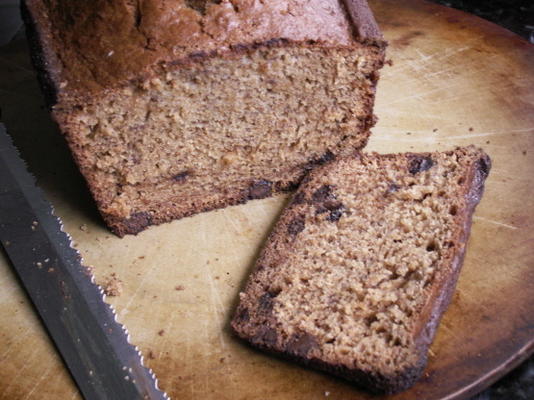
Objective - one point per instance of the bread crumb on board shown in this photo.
(112, 286)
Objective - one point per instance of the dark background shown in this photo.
(515, 15)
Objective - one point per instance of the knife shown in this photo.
(94, 346)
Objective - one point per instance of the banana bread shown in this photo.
(357, 272)
(175, 107)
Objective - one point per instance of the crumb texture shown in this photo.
(361, 262)
(241, 127)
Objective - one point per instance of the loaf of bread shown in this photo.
(357, 272)
(175, 107)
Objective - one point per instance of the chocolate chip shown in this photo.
(198, 54)
(243, 315)
(335, 208)
(295, 226)
(180, 177)
(286, 187)
(239, 47)
(137, 222)
(335, 215)
(275, 42)
(328, 156)
(299, 198)
(327, 203)
(300, 345)
(332, 205)
(484, 165)
(265, 302)
(392, 187)
(322, 194)
(200, 5)
(420, 164)
(265, 336)
(259, 189)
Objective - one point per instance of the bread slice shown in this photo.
(171, 108)
(357, 272)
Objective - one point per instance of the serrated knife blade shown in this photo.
(94, 346)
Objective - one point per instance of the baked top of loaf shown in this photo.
(90, 46)
(362, 263)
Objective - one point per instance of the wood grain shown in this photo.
(455, 80)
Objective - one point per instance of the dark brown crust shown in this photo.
(83, 56)
(40, 54)
(363, 21)
(141, 220)
(444, 289)
(431, 314)
(378, 384)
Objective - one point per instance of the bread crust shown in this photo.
(87, 48)
(246, 319)
(443, 290)
(42, 55)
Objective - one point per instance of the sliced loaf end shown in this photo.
(361, 265)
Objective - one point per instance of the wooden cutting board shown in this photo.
(455, 80)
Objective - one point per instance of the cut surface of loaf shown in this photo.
(173, 108)
(362, 263)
